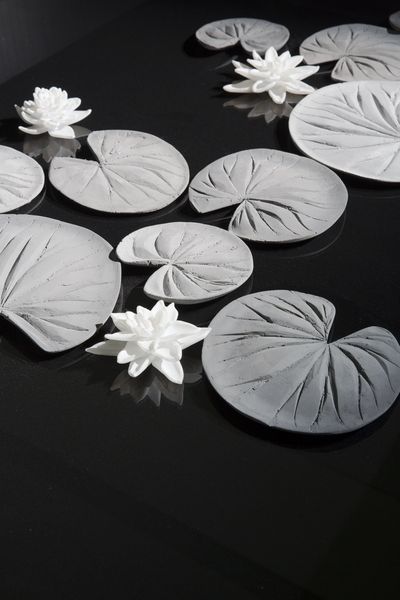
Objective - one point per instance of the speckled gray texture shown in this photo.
(353, 127)
(278, 197)
(197, 262)
(57, 282)
(134, 172)
(251, 34)
(268, 355)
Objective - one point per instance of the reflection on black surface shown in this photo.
(261, 105)
(154, 386)
(48, 147)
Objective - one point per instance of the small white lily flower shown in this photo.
(274, 74)
(151, 337)
(51, 111)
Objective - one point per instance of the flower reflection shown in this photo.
(49, 147)
(261, 105)
(153, 385)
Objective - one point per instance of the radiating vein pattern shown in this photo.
(21, 179)
(363, 52)
(353, 127)
(57, 282)
(134, 173)
(252, 34)
(196, 262)
(270, 357)
(279, 197)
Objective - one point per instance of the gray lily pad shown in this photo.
(269, 356)
(394, 20)
(135, 172)
(197, 262)
(362, 51)
(57, 282)
(21, 179)
(280, 197)
(353, 127)
(251, 34)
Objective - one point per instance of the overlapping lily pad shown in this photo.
(394, 20)
(251, 34)
(21, 179)
(196, 262)
(280, 197)
(361, 51)
(269, 356)
(57, 282)
(353, 127)
(134, 172)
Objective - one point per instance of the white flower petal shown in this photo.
(278, 94)
(171, 369)
(77, 116)
(261, 86)
(171, 352)
(120, 321)
(271, 54)
(73, 103)
(66, 133)
(137, 367)
(295, 60)
(299, 87)
(109, 348)
(33, 130)
(240, 87)
(120, 336)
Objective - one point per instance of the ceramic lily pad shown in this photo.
(270, 357)
(280, 197)
(21, 179)
(134, 172)
(251, 34)
(361, 51)
(353, 127)
(57, 282)
(394, 20)
(196, 262)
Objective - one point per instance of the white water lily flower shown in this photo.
(151, 337)
(274, 74)
(51, 111)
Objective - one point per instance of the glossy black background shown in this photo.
(103, 496)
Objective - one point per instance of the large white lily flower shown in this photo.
(51, 111)
(274, 74)
(151, 337)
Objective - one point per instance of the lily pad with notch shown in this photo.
(269, 356)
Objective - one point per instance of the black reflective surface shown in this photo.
(112, 488)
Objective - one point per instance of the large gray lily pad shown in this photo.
(269, 356)
(280, 197)
(251, 34)
(134, 172)
(362, 51)
(353, 127)
(21, 179)
(57, 282)
(196, 262)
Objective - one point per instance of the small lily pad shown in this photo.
(251, 34)
(196, 262)
(280, 197)
(361, 51)
(134, 172)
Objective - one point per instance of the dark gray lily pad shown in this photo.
(135, 172)
(57, 282)
(21, 179)
(362, 52)
(251, 34)
(197, 262)
(280, 197)
(353, 127)
(268, 355)
(394, 20)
